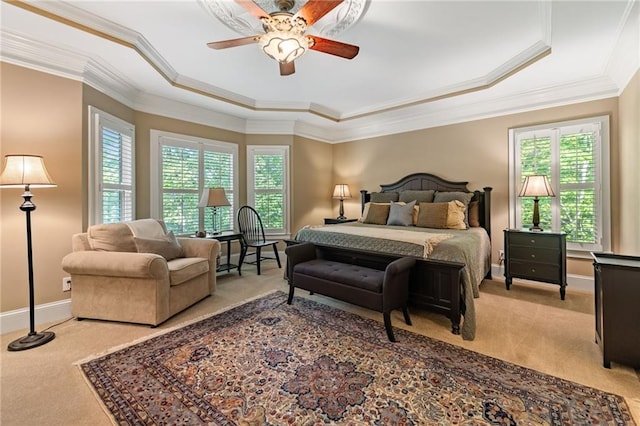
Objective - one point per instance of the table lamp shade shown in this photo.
(25, 170)
(341, 190)
(536, 186)
(213, 197)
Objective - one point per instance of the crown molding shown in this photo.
(622, 64)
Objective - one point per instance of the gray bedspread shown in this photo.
(471, 247)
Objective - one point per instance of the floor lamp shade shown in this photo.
(214, 197)
(341, 191)
(27, 171)
(536, 186)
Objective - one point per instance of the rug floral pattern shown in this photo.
(266, 362)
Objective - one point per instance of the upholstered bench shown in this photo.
(382, 291)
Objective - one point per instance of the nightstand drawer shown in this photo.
(529, 255)
(533, 240)
(535, 271)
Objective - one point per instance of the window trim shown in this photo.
(603, 173)
(156, 140)
(252, 151)
(97, 119)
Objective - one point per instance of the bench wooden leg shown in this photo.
(407, 318)
(387, 326)
(291, 290)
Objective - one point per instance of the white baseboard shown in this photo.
(576, 282)
(46, 313)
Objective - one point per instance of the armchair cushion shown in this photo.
(185, 268)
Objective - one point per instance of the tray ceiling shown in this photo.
(421, 63)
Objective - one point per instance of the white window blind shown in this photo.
(111, 168)
(181, 167)
(574, 157)
(268, 186)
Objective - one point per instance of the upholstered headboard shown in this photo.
(426, 181)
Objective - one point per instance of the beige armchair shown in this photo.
(137, 272)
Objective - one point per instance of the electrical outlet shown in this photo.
(66, 284)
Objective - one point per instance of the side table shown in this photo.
(228, 237)
(538, 256)
(334, 221)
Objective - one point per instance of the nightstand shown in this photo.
(333, 221)
(537, 256)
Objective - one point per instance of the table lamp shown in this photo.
(341, 191)
(536, 186)
(214, 197)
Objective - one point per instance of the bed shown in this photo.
(451, 262)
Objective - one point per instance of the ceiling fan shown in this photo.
(284, 39)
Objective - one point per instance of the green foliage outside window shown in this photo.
(575, 190)
(269, 186)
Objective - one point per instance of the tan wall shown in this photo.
(41, 114)
(628, 171)
(475, 151)
(312, 185)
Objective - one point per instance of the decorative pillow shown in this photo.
(401, 214)
(442, 215)
(464, 197)
(473, 213)
(425, 196)
(433, 215)
(365, 211)
(384, 197)
(111, 237)
(377, 214)
(167, 247)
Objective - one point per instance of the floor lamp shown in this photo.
(27, 171)
(214, 197)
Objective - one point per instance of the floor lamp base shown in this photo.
(31, 341)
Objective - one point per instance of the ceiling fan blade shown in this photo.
(287, 69)
(313, 10)
(233, 43)
(251, 7)
(337, 48)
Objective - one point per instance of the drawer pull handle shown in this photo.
(533, 241)
(533, 256)
(533, 270)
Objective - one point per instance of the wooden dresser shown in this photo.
(617, 296)
(535, 255)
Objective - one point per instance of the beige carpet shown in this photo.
(528, 325)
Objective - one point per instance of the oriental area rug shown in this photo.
(266, 362)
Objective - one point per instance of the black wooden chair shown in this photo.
(253, 237)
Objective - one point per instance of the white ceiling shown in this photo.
(421, 63)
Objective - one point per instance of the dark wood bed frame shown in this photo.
(434, 285)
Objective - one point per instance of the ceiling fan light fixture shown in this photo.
(284, 47)
(284, 39)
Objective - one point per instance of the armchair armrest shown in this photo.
(298, 253)
(200, 247)
(116, 264)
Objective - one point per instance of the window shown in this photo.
(181, 167)
(575, 157)
(268, 186)
(111, 168)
